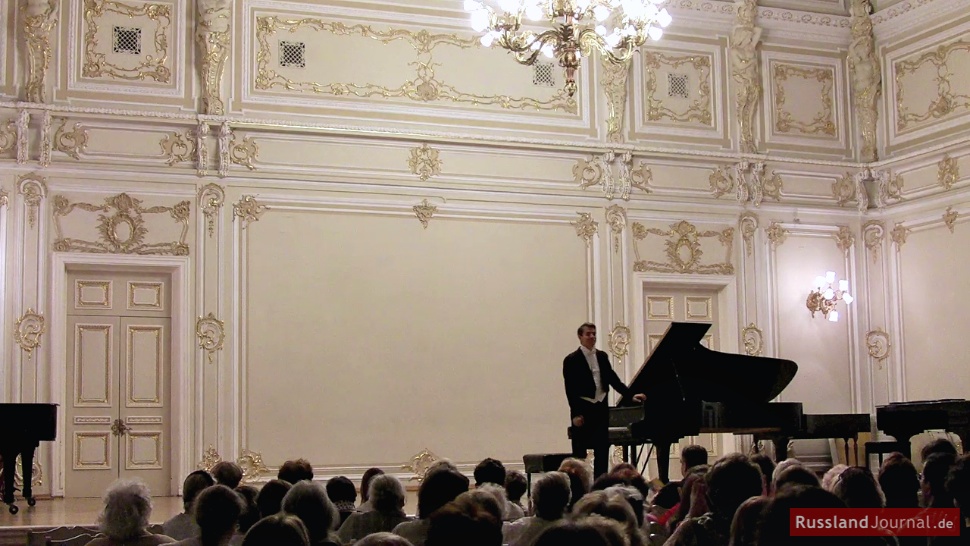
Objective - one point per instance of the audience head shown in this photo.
(580, 477)
(498, 492)
(309, 502)
(277, 530)
(732, 480)
(781, 466)
(775, 522)
(365, 479)
(692, 456)
(747, 520)
(611, 506)
(515, 485)
(127, 507)
(383, 539)
(632, 477)
(489, 471)
(831, 475)
(296, 471)
(583, 531)
(857, 488)
(486, 498)
(632, 496)
(466, 522)
(386, 494)
(551, 495)
(794, 474)
(438, 489)
(688, 499)
(250, 514)
(217, 511)
(341, 489)
(766, 465)
(270, 497)
(957, 483)
(194, 483)
(936, 467)
(939, 445)
(899, 482)
(441, 464)
(227, 473)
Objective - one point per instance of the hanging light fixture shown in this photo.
(615, 28)
(825, 295)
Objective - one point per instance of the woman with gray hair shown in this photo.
(386, 496)
(308, 501)
(124, 520)
(550, 496)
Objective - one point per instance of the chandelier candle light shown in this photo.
(824, 297)
(616, 28)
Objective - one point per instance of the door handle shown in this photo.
(119, 428)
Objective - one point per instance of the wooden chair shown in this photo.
(65, 536)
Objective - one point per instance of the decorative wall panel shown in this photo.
(931, 86)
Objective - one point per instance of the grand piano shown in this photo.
(691, 389)
(22, 428)
(903, 420)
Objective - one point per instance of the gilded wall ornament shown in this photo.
(28, 331)
(899, 235)
(599, 171)
(619, 341)
(753, 339)
(177, 147)
(33, 188)
(23, 136)
(211, 333)
(844, 189)
(890, 187)
(748, 223)
(950, 218)
(244, 153)
(746, 70)
(121, 227)
(698, 110)
(424, 162)
(585, 227)
(201, 150)
(419, 464)
(873, 233)
(46, 139)
(40, 18)
(844, 239)
(425, 211)
(776, 234)
(225, 149)
(866, 74)
(211, 199)
(945, 102)
(683, 248)
(209, 459)
(4, 198)
(721, 182)
(213, 36)
(877, 341)
(616, 218)
(615, 78)
(73, 142)
(151, 66)
(754, 183)
(248, 210)
(36, 477)
(8, 135)
(252, 465)
(949, 172)
(824, 120)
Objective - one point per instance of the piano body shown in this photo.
(22, 428)
(691, 389)
(903, 420)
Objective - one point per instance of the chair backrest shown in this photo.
(67, 536)
(78, 540)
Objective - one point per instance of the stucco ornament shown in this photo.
(212, 35)
(746, 70)
(866, 76)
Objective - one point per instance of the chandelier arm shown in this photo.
(588, 40)
(518, 43)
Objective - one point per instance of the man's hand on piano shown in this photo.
(578, 421)
(639, 397)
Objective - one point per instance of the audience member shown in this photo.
(693, 500)
(343, 494)
(466, 522)
(794, 474)
(386, 495)
(939, 445)
(438, 489)
(899, 481)
(692, 456)
(227, 473)
(747, 520)
(515, 487)
(612, 506)
(936, 467)
(580, 478)
(775, 522)
(270, 497)
(217, 511)
(575, 532)
(182, 526)
(250, 514)
(365, 479)
(124, 519)
(309, 502)
(295, 471)
(383, 539)
(857, 488)
(277, 530)
(550, 496)
(957, 486)
(492, 471)
(767, 467)
(831, 475)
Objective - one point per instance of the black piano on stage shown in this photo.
(22, 428)
(903, 420)
(691, 390)
(846, 426)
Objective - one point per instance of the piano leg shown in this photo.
(9, 468)
(781, 447)
(27, 468)
(663, 459)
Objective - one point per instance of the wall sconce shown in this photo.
(824, 297)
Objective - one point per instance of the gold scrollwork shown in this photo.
(899, 235)
(699, 110)
(873, 233)
(209, 459)
(946, 101)
(748, 224)
(244, 153)
(683, 249)
(586, 227)
(823, 122)
(844, 239)
(844, 189)
(721, 182)
(213, 36)
(598, 171)
(178, 147)
(616, 218)
(211, 198)
(212, 333)
(776, 234)
(33, 187)
(248, 210)
(949, 172)
(950, 218)
(619, 341)
(28, 331)
(425, 211)
(615, 77)
(73, 142)
(877, 341)
(39, 20)
(151, 66)
(121, 227)
(251, 463)
(8, 136)
(36, 477)
(753, 339)
(419, 464)
(424, 162)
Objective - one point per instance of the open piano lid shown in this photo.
(681, 369)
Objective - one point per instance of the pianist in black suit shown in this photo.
(588, 397)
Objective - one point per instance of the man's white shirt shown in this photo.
(594, 366)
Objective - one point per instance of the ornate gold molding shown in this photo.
(244, 153)
(248, 210)
(225, 148)
(878, 343)
(152, 66)
(616, 218)
(209, 459)
(699, 110)
(33, 187)
(585, 227)
(721, 182)
(946, 101)
(211, 333)
(598, 171)
(949, 172)
(201, 150)
(753, 339)
(615, 78)
(424, 87)
(823, 122)
(425, 211)
(8, 135)
(950, 218)
(211, 199)
(36, 477)
(121, 227)
(178, 147)
(746, 70)
(619, 341)
(683, 237)
(46, 139)
(844, 189)
(844, 239)
(776, 234)
(213, 36)
(748, 224)
(28, 331)
(873, 233)
(750, 182)
(864, 68)
(899, 235)
(39, 20)
(252, 465)
(73, 142)
(424, 162)
(23, 136)
(419, 464)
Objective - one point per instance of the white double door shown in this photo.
(118, 368)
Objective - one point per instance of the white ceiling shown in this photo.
(833, 7)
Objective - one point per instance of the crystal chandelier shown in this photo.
(616, 28)
(824, 296)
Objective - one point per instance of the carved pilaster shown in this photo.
(201, 150)
(33, 188)
(616, 218)
(23, 134)
(211, 198)
(212, 35)
(748, 224)
(39, 21)
(46, 140)
(866, 76)
(746, 70)
(225, 149)
(615, 77)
